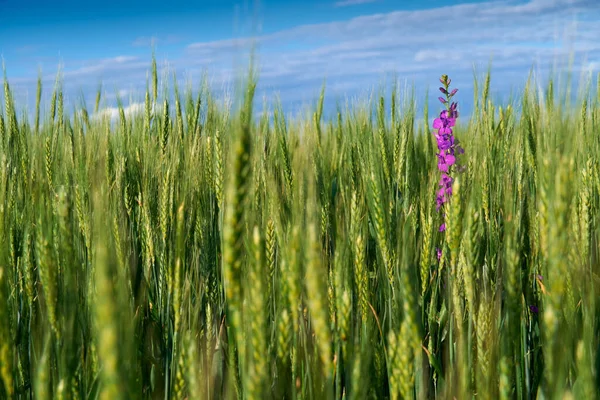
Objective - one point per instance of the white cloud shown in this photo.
(97, 68)
(227, 44)
(120, 59)
(417, 44)
(113, 112)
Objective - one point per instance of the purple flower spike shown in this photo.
(448, 148)
(438, 252)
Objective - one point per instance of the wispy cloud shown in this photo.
(358, 52)
(346, 3)
(511, 34)
(149, 41)
(113, 67)
(27, 49)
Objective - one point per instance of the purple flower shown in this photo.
(444, 192)
(445, 130)
(438, 252)
(453, 92)
(450, 159)
(439, 202)
(446, 120)
(442, 166)
(452, 110)
(442, 227)
(442, 100)
(446, 181)
(441, 194)
(533, 309)
(445, 141)
(443, 90)
(445, 161)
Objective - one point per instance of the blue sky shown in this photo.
(355, 44)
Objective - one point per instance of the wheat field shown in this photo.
(196, 251)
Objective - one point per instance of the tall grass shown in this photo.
(197, 252)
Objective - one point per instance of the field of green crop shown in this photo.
(195, 251)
